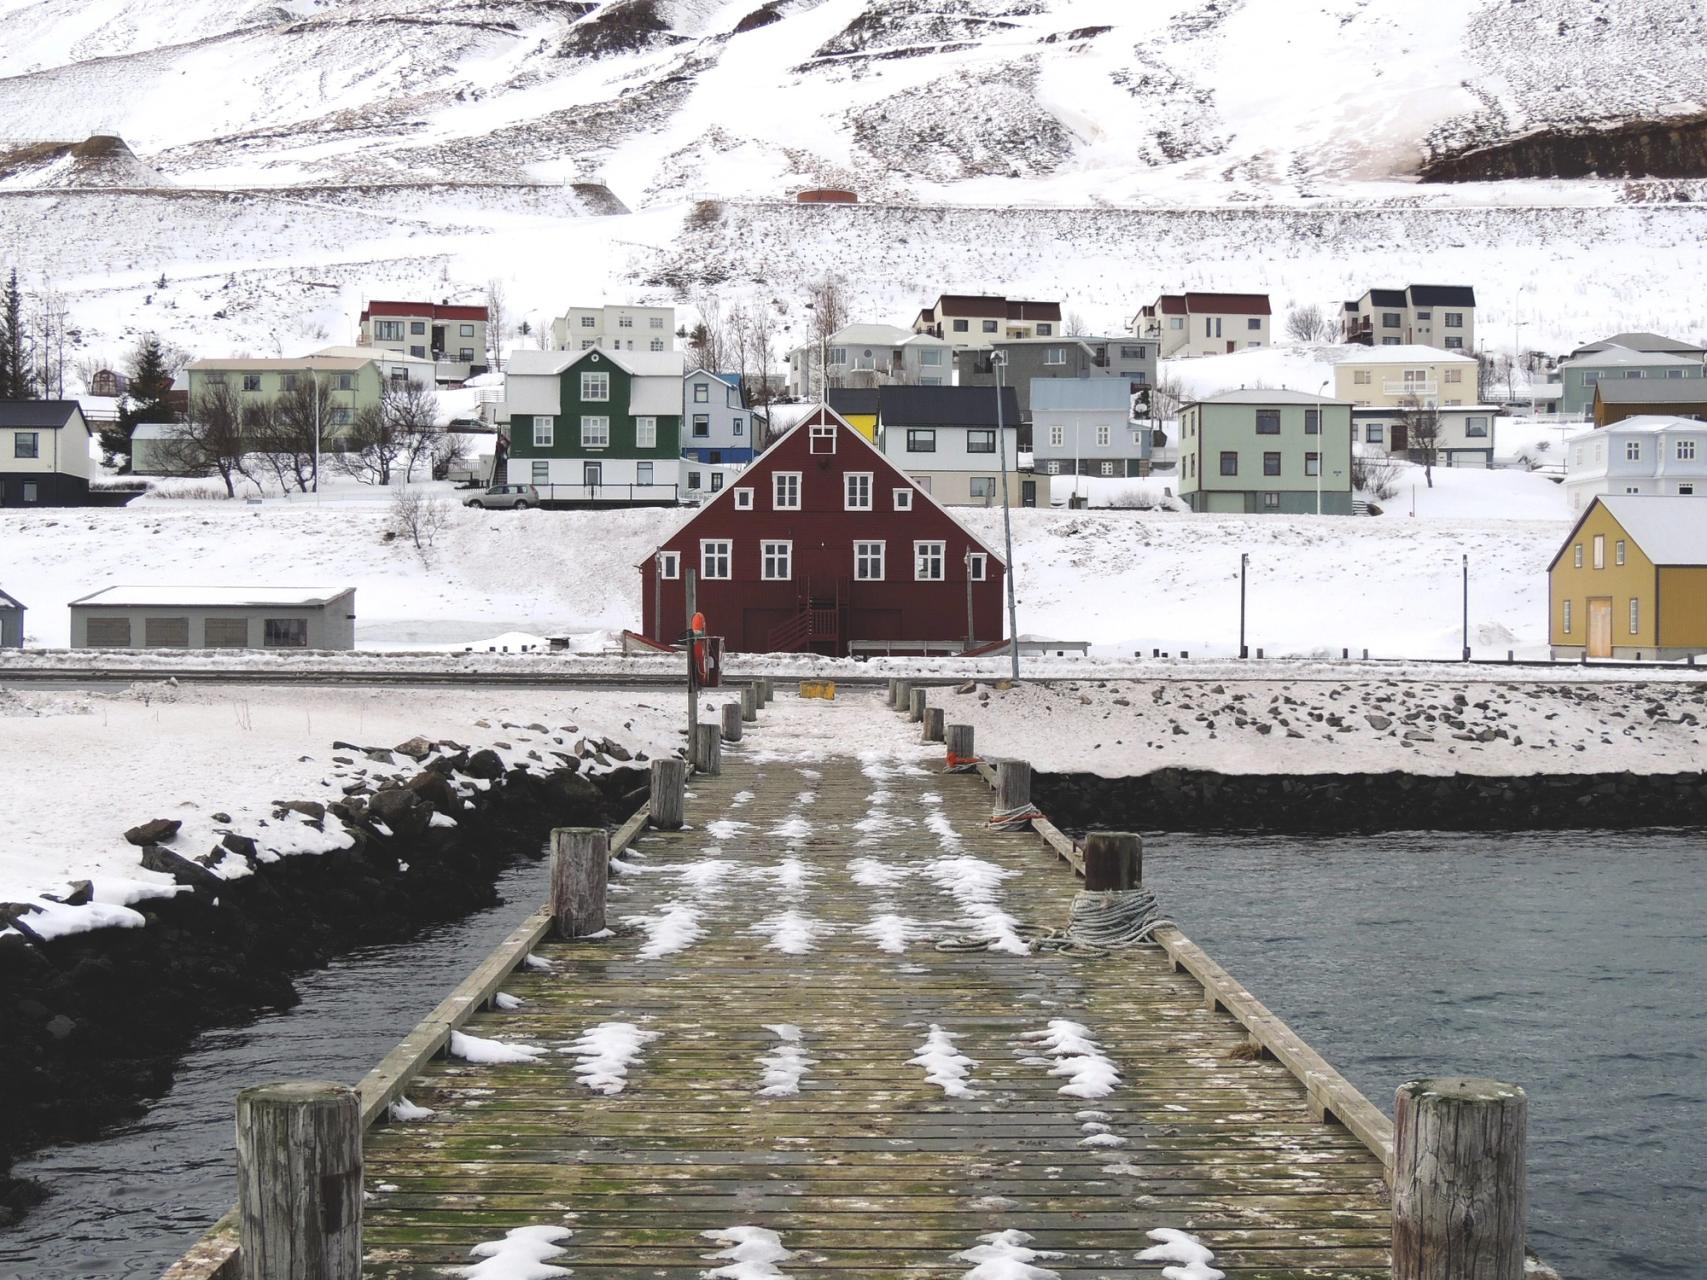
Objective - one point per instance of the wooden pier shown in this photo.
(773, 1063)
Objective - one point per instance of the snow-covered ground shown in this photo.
(82, 769)
(1125, 580)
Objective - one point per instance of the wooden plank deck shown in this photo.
(871, 1169)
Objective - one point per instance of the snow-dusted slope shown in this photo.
(1033, 101)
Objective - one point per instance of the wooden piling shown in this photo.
(580, 871)
(958, 740)
(708, 749)
(749, 703)
(1113, 860)
(730, 714)
(299, 1181)
(669, 792)
(932, 724)
(1013, 785)
(903, 691)
(1459, 1206)
(916, 702)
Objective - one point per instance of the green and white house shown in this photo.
(596, 427)
(1266, 451)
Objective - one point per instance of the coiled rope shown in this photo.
(1017, 819)
(1101, 923)
(962, 764)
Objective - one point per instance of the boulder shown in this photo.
(157, 831)
(307, 808)
(485, 764)
(417, 748)
(403, 812)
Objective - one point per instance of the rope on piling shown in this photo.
(1017, 819)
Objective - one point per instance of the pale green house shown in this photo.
(355, 376)
(1266, 451)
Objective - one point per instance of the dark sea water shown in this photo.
(1573, 964)
(131, 1203)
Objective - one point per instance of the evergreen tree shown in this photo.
(15, 380)
(146, 400)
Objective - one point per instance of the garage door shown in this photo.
(166, 633)
(109, 633)
(225, 633)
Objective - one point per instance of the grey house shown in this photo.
(215, 618)
(1129, 360)
(1580, 375)
(1084, 426)
(11, 623)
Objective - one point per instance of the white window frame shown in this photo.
(595, 386)
(1635, 615)
(669, 565)
(977, 566)
(544, 431)
(595, 432)
(646, 432)
(1600, 551)
(1104, 435)
(903, 499)
(823, 434)
(773, 551)
(701, 393)
(937, 551)
(1057, 436)
(862, 482)
(716, 552)
(1566, 618)
(744, 498)
(865, 553)
(1686, 451)
(780, 488)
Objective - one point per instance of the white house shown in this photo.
(1641, 455)
(948, 441)
(615, 328)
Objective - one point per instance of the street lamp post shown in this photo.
(1321, 446)
(1244, 563)
(314, 388)
(1466, 654)
(999, 361)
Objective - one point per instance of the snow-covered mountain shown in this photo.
(1023, 101)
(281, 161)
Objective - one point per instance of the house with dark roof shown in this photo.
(1198, 323)
(1630, 581)
(977, 320)
(453, 337)
(44, 454)
(823, 546)
(1419, 315)
(1609, 362)
(1647, 343)
(11, 622)
(951, 441)
(857, 406)
(1620, 398)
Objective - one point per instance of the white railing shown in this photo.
(1409, 388)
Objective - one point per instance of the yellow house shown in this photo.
(858, 408)
(1631, 580)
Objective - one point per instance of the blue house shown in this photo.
(716, 424)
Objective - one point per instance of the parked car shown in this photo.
(505, 497)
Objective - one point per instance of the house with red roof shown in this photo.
(453, 337)
(979, 319)
(1205, 324)
(822, 545)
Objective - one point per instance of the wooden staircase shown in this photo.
(818, 625)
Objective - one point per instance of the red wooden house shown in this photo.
(820, 544)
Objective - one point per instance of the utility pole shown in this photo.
(691, 593)
(1000, 361)
(314, 388)
(1466, 655)
(971, 631)
(1244, 562)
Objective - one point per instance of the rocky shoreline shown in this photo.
(1352, 803)
(96, 1021)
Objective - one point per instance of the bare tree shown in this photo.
(420, 518)
(1308, 324)
(302, 417)
(413, 408)
(370, 447)
(211, 442)
(1422, 434)
(1375, 475)
(740, 331)
(1076, 325)
(763, 337)
(708, 341)
(266, 445)
(450, 449)
(495, 320)
(1167, 396)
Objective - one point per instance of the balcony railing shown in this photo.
(1407, 388)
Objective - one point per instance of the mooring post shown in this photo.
(749, 703)
(933, 724)
(669, 792)
(957, 738)
(1113, 860)
(1013, 785)
(730, 713)
(770, 690)
(893, 685)
(1459, 1203)
(708, 749)
(903, 691)
(916, 701)
(299, 1181)
(580, 871)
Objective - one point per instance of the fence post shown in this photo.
(933, 724)
(580, 870)
(299, 1181)
(707, 750)
(730, 715)
(1113, 860)
(916, 704)
(958, 740)
(1013, 785)
(749, 703)
(669, 792)
(1459, 1204)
